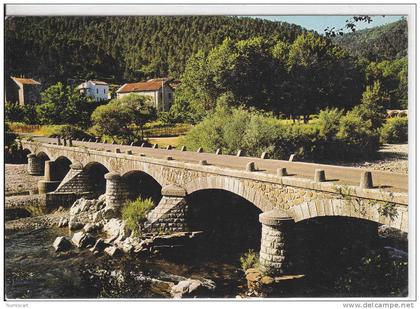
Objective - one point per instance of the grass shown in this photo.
(165, 141)
(41, 130)
(158, 129)
(250, 259)
(134, 213)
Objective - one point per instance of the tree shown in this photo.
(64, 105)
(322, 75)
(124, 118)
(373, 104)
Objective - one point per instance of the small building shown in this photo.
(95, 89)
(159, 90)
(27, 90)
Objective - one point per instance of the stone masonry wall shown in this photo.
(169, 215)
(76, 181)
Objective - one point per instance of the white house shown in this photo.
(95, 89)
(159, 90)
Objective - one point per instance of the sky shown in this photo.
(319, 23)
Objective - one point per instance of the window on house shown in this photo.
(169, 96)
(104, 91)
(97, 90)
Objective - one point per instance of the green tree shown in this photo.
(64, 105)
(124, 118)
(322, 75)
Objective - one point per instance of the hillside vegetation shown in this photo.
(387, 42)
(121, 49)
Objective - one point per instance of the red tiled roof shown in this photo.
(141, 86)
(25, 81)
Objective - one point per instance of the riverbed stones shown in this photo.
(83, 240)
(191, 288)
(63, 222)
(61, 244)
(92, 227)
(99, 245)
(112, 251)
(74, 224)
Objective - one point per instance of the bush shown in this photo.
(357, 137)
(69, 131)
(134, 213)
(9, 136)
(395, 130)
(13, 112)
(250, 259)
(329, 122)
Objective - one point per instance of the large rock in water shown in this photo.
(115, 228)
(83, 240)
(61, 244)
(191, 288)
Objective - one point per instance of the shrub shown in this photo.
(395, 130)
(13, 112)
(9, 136)
(69, 131)
(250, 259)
(134, 213)
(357, 137)
(329, 122)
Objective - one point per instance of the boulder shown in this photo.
(191, 288)
(112, 251)
(83, 240)
(75, 224)
(116, 228)
(97, 216)
(61, 244)
(92, 227)
(99, 245)
(108, 213)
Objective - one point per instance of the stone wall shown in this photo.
(168, 216)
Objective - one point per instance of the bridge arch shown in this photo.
(346, 208)
(233, 185)
(140, 183)
(95, 172)
(62, 166)
(228, 221)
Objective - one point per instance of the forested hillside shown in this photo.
(386, 42)
(120, 49)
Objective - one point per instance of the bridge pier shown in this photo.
(50, 182)
(35, 165)
(276, 236)
(116, 191)
(170, 214)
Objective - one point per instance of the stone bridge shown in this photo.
(285, 192)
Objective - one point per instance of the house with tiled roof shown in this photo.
(25, 91)
(96, 89)
(159, 90)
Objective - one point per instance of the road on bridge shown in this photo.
(338, 174)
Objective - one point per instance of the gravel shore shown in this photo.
(391, 158)
(18, 180)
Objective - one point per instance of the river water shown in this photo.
(35, 271)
